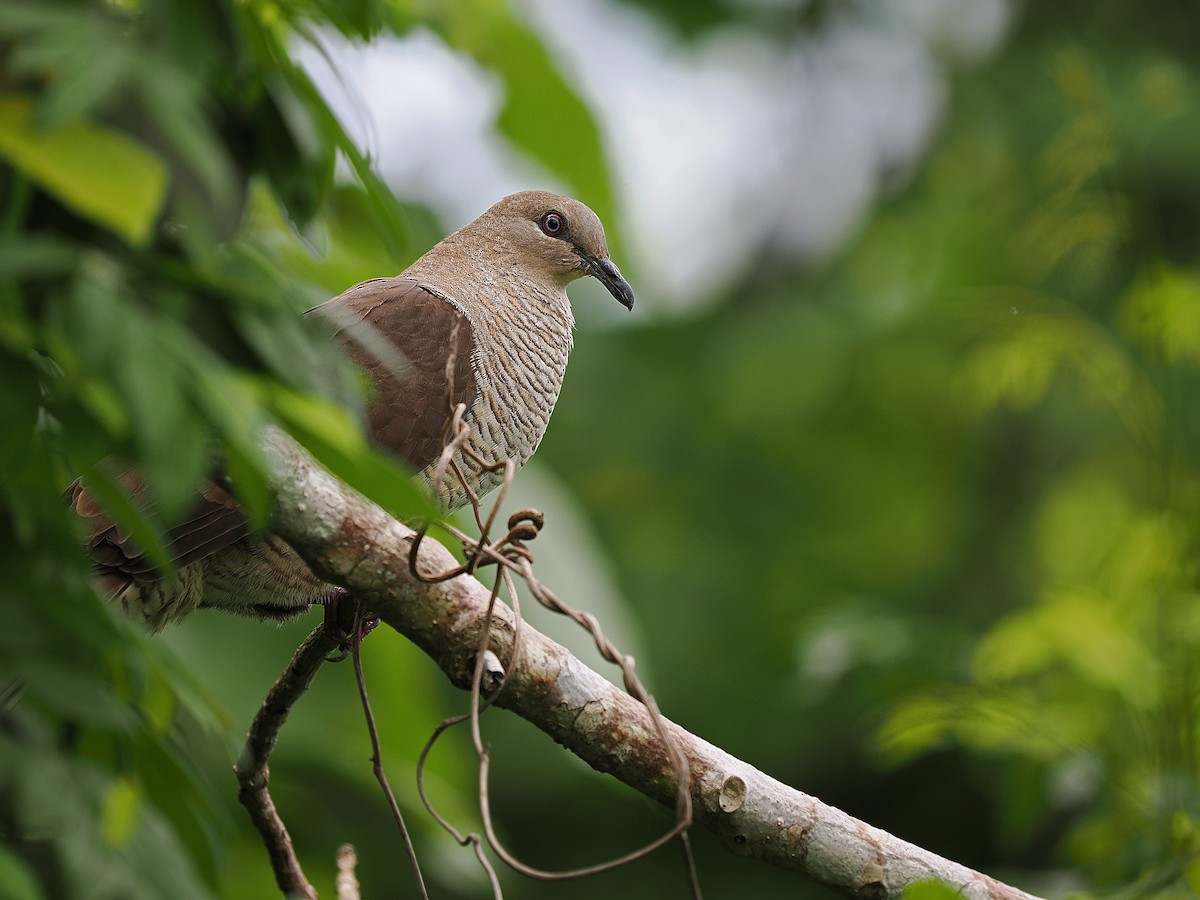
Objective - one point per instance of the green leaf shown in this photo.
(115, 499)
(290, 148)
(232, 403)
(119, 812)
(172, 438)
(543, 115)
(386, 212)
(101, 174)
(327, 431)
(77, 695)
(931, 890)
(16, 881)
(35, 257)
(158, 703)
(190, 695)
(1076, 628)
(1162, 311)
(248, 477)
(1191, 875)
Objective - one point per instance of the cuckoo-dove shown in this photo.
(482, 319)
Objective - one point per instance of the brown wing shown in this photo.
(403, 336)
(214, 522)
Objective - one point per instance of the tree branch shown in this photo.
(355, 544)
(253, 772)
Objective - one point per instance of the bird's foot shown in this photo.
(341, 613)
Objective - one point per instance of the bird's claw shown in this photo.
(340, 615)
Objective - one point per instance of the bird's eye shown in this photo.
(553, 224)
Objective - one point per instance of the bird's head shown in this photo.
(558, 238)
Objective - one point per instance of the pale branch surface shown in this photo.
(347, 882)
(355, 544)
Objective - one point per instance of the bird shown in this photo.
(482, 319)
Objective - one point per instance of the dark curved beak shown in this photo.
(606, 272)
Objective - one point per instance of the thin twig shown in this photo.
(377, 754)
(472, 839)
(510, 554)
(683, 810)
(479, 704)
(689, 863)
(253, 772)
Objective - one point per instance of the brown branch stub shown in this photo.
(354, 543)
(346, 884)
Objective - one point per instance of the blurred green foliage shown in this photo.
(939, 496)
(166, 175)
(913, 529)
